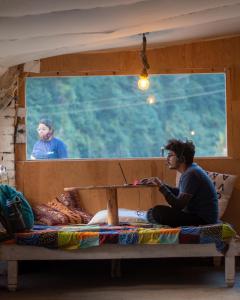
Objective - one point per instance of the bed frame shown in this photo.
(14, 253)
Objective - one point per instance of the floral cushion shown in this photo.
(62, 210)
(48, 216)
(73, 215)
(71, 200)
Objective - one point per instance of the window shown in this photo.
(109, 117)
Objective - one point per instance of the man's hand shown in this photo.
(151, 180)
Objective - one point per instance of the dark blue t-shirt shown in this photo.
(52, 149)
(204, 203)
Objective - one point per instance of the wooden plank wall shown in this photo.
(41, 181)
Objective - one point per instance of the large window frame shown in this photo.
(227, 73)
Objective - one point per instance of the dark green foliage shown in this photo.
(108, 116)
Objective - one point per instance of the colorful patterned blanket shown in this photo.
(84, 236)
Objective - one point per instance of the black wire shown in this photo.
(143, 54)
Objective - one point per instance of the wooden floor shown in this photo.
(147, 279)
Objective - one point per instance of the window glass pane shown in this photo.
(109, 117)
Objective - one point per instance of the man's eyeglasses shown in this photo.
(170, 155)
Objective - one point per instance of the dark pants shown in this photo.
(165, 215)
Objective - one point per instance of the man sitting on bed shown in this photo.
(194, 202)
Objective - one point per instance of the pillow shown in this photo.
(125, 216)
(74, 217)
(71, 201)
(224, 184)
(62, 210)
(48, 216)
(86, 217)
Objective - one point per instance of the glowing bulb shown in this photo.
(151, 100)
(143, 83)
(192, 132)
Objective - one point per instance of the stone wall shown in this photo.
(8, 123)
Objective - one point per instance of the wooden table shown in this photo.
(112, 197)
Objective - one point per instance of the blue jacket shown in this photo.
(53, 149)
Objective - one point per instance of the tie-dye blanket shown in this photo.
(84, 236)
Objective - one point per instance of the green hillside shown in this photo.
(108, 116)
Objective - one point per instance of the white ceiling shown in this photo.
(33, 29)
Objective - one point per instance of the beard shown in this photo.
(46, 137)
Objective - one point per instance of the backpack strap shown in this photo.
(5, 223)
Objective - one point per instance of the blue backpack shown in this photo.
(16, 214)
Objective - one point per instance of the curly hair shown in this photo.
(185, 151)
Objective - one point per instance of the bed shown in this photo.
(117, 240)
(126, 241)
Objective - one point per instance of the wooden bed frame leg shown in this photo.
(116, 268)
(12, 276)
(230, 270)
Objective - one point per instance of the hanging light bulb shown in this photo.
(151, 100)
(143, 82)
(192, 132)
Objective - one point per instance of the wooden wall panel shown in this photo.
(41, 181)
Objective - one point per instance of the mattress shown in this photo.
(84, 236)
